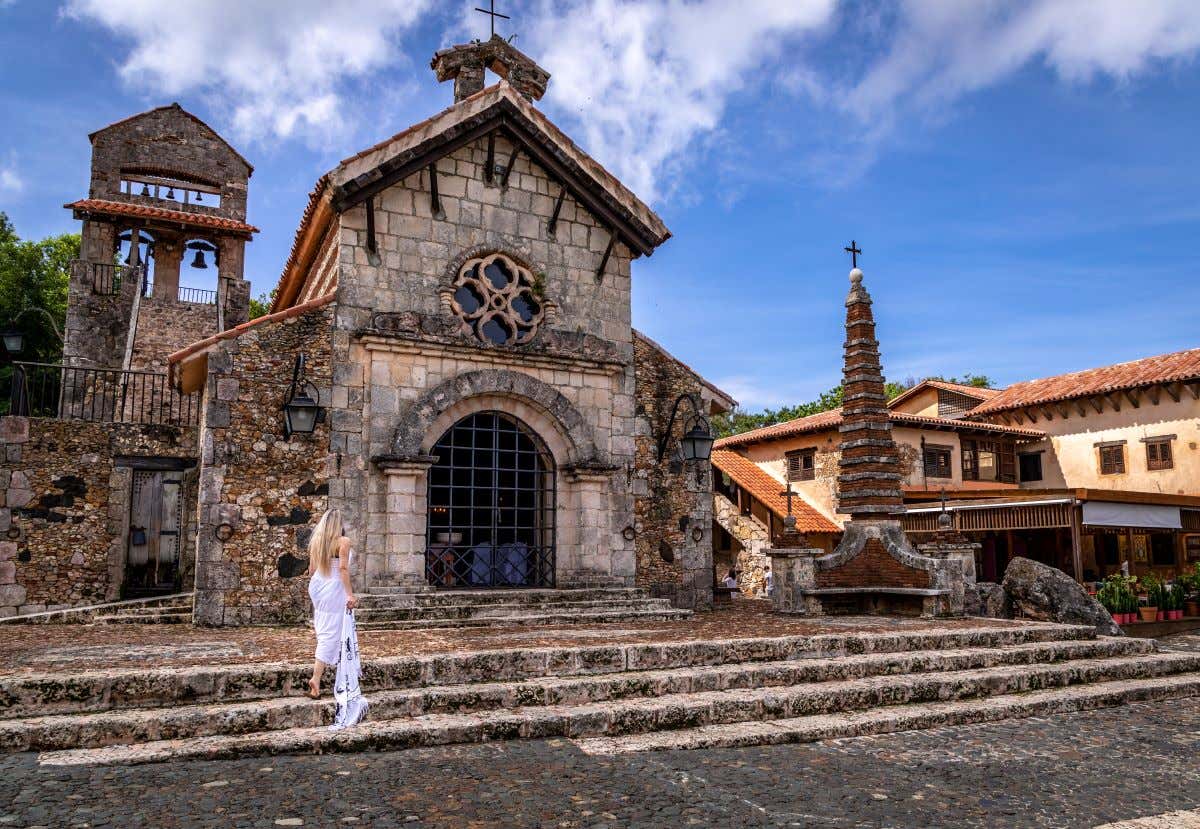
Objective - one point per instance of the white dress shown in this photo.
(328, 596)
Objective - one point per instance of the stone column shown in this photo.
(585, 554)
(403, 563)
(795, 572)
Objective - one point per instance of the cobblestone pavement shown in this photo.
(1076, 770)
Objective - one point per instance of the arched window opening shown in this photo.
(145, 255)
(491, 506)
(198, 265)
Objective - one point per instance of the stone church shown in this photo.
(449, 359)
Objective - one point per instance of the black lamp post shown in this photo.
(697, 442)
(301, 411)
(14, 339)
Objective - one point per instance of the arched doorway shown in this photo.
(491, 506)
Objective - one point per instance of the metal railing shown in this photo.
(106, 278)
(489, 565)
(98, 395)
(197, 296)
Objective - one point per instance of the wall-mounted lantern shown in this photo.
(697, 441)
(14, 340)
(301, 411)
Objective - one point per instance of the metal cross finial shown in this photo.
(854, 251)
(790, 520)
(493, 14)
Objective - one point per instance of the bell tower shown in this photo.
(167, 196)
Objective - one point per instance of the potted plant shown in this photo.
(1153, 586)
(1112, 598)
(1177, 593)
(1191, 584)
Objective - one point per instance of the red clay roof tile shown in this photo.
(1179, 366)
(750, 477)
(145, 211)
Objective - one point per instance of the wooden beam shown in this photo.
(1062, 410)
(1097, 403)
(1152, 392)
(552, 226)
(371, 246)
(1029, 414)
(1017, 416)
(435, 203)
(1113, 401)
(612, 238)
(1046, 413)
(512, 162)
(1175, 390)
(1079, 407)
(489, 170)
(1132, 395)
(1194, 388)
(1004, 417)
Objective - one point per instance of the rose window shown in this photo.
(497, 300)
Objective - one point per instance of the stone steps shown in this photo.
(378, 611)
(903, 717)
(562, 617)
(90, 613)
(869, 696)
(77, 692)
(439, 597)
(185, 722)
(179, 616)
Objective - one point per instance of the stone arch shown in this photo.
(568, 436)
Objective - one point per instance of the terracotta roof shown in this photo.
(319, 192)
(721, 397)
(825, 421)
(250, 167)
(238, 330)
(958, 388)
(145, 211)
(1180, 366)
(750, 477)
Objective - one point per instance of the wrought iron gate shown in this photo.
(491, 506)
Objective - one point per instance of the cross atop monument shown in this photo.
(854, 251)
(492, 14)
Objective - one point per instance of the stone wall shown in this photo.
(64, 507)
(165, 325)
(97, 325)
(753, 536)
(269, 490)
(673, 501)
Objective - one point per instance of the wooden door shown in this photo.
(152, 557)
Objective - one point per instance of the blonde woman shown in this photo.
(329, 560)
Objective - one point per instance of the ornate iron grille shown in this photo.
(491, 506)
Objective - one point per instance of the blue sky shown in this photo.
(1022, 176)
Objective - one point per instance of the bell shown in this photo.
(199, 197)
(171, 193)
(145, 189)
(198, 260)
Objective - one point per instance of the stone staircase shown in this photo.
(173, 609)
(608, 698)
(395, 609)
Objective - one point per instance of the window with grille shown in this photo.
(802, 465)
(1031, 466)
(954, 405)
(1112, 459)
(1158, 454)
(937, 461)
(491, 506)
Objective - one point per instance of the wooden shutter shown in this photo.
(1112, 460)
(1158, 454)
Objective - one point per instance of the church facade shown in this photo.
(456, 307)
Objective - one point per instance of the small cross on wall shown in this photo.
(492, 14)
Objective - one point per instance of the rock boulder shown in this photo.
(1047, 594)
(988, 600)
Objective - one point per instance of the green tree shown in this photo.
(34, 275)
(262, 306)
(738, 421)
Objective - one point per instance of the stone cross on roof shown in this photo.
(869, 479)
(467, 62)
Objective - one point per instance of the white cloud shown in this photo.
(640, 80)
(278, 69)
(11, 183)
(941, 50)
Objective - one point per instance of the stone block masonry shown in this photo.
(64, 507)
(260, 492)
(673, 501)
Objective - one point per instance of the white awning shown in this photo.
(1149, 516)
(1041, 502)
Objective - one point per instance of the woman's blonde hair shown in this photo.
(324, 541)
